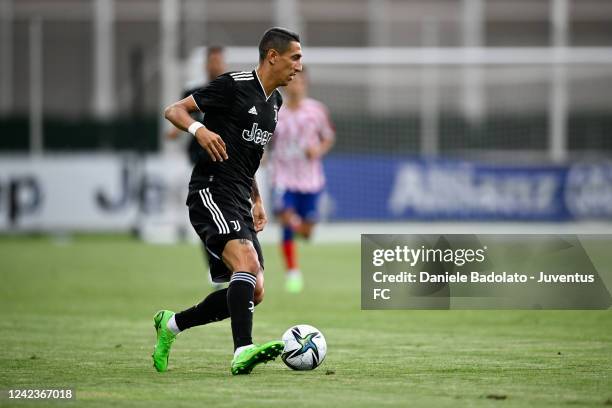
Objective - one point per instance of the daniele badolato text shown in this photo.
(460, 258)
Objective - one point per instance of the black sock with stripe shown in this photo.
(212, 309)
(240, 294)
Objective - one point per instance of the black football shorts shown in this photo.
(217, 218)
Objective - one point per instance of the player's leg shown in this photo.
(206, 256)
(258, 296)
(242, 256)
(293, 282)
(306, 208)
(213, 308)
(289, 220)
(169, 324)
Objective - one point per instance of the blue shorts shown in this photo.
(304, 204)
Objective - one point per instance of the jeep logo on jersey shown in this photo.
(256, 135)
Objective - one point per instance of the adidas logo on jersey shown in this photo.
(253, 111)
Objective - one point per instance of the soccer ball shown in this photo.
(305, 347)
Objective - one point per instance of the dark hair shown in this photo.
(214, 49)
(276, 38)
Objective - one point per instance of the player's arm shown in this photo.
(259, 213)
(327, 137)
(179, 115)
(316, 152)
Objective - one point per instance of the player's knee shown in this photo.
(252, 265)
(306, 230)
(243, 258)
(286, 217)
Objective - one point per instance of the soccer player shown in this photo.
(303, 136)
(215, 65)
(225, 207)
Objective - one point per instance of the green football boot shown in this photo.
(244, 362)
(294, 283)
(165, 338)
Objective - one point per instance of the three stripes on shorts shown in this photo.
(214, 209)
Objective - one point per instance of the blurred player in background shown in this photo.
(304, 135)
(225, 207)
(214, 66)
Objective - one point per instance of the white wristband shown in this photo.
(193, 128)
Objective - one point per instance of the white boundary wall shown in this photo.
(59, 193)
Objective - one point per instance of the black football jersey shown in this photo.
(236, 108)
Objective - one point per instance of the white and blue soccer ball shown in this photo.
(305, 347)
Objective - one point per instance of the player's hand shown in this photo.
(313, 153)
(259, 217)
(212, 143)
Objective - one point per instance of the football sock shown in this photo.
(291, 273)
(212, 309)
(289, 254)
(171, 325)
(240, 293)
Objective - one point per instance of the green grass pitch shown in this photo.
(79, 313)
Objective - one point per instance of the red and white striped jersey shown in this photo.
(297, 130)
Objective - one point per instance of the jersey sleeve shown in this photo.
(189, 91)
(218, 94)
